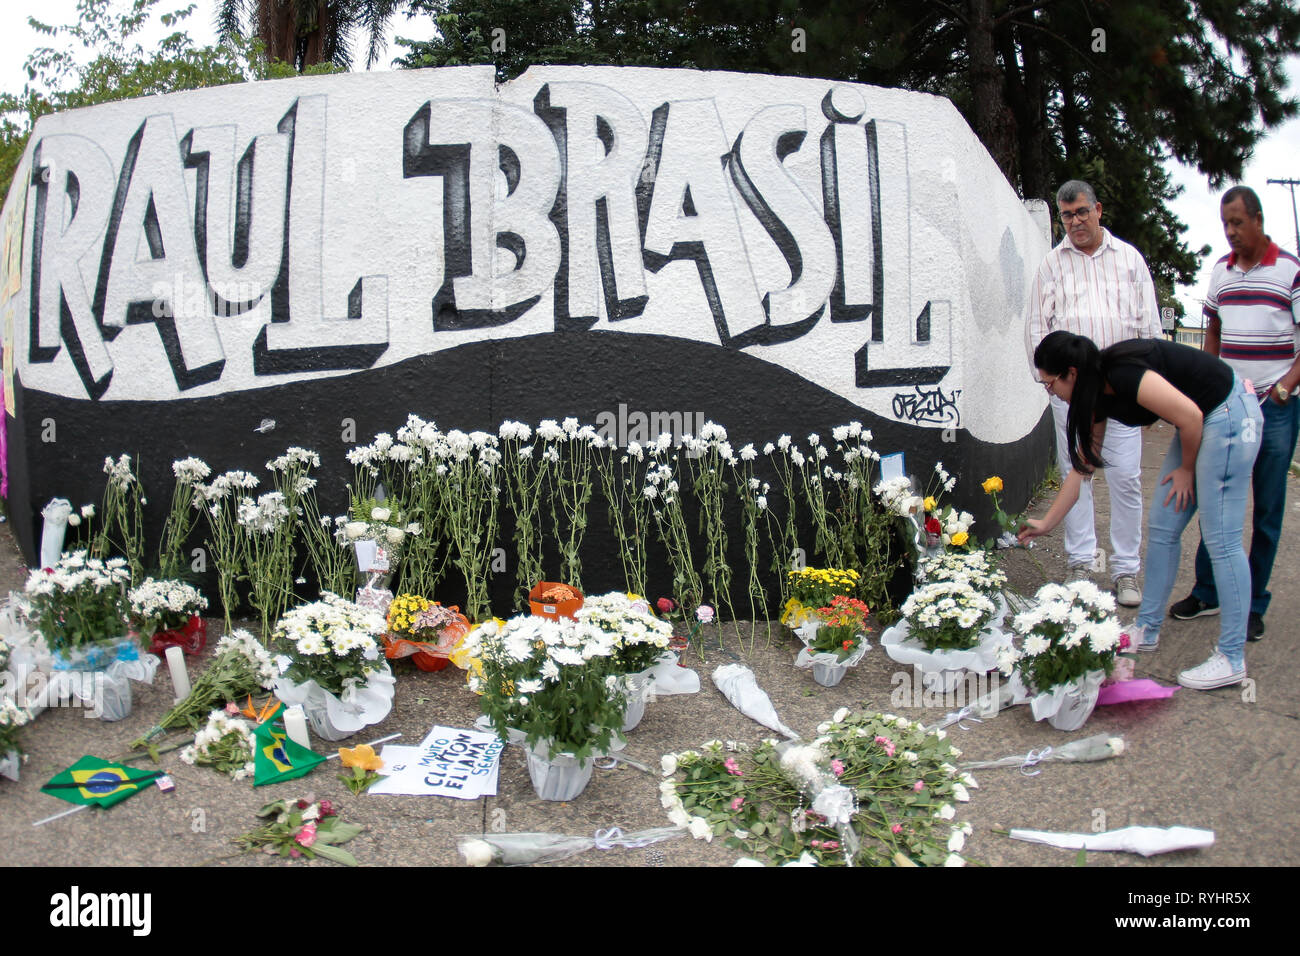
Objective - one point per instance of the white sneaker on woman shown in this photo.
(1216, 672)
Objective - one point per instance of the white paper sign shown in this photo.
(449, 762)
(891, 466)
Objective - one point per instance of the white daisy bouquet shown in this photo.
(977, 568)
(225, 743)
(79, 601)
(947, 615)
(553, 680)
(331, 641)
(163, 606)
(1071, 630)
(639, 637)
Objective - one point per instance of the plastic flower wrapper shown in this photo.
(1147, 841)
(808, 766)
(737, 684)
(521, 849)
(1086, 750)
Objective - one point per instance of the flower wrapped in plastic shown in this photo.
(424, 631)
(1088, 750)
(521, 849)
(946, 630)
(166, 614)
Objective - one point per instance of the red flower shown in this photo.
(932, 526)
(666, 605)
(327, 809)
(848, 645)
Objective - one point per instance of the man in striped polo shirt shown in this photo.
(1251, 315)
(1095, 285)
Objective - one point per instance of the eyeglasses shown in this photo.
(1050, 382)
(1070, 215)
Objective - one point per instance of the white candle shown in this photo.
(180, 677)
(295, 725)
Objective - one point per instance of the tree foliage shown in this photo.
(307, 33)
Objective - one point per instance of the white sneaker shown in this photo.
(1216, 672)
(1138, 637)
(1127, 593)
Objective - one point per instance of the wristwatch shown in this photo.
(1283, 393)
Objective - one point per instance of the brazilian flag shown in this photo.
(275, 756)
(91, 780)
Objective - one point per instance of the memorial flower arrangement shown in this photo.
(183, 516)
(163, 606)
(423, 630)
(302, 829)
(80, 601)
(121, 517)
(639, 637)
(894, 783)
(977, 568)
(241, 666)
(843, 627)
(1070, 631)
(12, 717)
(947, 615)
(812, 588)
(225, 743)
(552, 680)
(331, 641)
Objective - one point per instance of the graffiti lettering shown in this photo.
(927, 406)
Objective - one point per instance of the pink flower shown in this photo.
(887, 744)
(733, 768)
(918, 786)
(704, 614)
(896, 828)
(837, 767)
(327, 809)
(831, 845)
(1124, 642)
(293, 852)
(232, 709)
(307, 835)
(736, 804)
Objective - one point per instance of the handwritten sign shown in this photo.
(449, 762)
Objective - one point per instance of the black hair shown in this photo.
(1056, 355)
(1248, 199)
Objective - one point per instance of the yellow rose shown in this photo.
(960, 538)
(992, 484)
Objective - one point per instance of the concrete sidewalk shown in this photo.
(1224, 760)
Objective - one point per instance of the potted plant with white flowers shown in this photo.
(167, 614)
(946, 631)
(554, 681)
(1069, 640)
(331, 662)
(978, 568)
(641, 639)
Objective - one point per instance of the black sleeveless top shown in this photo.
(1202, 377)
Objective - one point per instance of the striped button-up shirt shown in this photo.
(1107, 296)
(1257, 312)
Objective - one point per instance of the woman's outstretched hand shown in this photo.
(1033, 528)
(1182, 482)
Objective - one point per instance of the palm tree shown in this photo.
(307, 32)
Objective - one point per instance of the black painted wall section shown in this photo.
(476, 386)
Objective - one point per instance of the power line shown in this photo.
(1293, 183)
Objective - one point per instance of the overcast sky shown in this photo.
(1277, 157)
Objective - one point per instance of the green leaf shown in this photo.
(337, 854)
(1081, 858)
(339, 833)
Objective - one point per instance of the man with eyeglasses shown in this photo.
(1095, 285)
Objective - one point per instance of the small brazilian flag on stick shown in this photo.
(91, 780)
(275, 756)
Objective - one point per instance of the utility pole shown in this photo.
(1293, 183)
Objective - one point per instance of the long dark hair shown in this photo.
(1056, 355)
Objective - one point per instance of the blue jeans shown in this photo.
(1230, 440)
(1268, 485)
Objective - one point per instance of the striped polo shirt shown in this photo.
(1107, 295)
(1257, 312)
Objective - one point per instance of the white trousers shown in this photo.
(1122, 453)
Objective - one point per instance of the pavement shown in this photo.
(1222, 760)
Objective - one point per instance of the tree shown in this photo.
(1055, 89)
(119, 69)
(309, 32)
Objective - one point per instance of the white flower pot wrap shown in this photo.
(9, 765)
(559, 776)
(637, 698)
(943, 669)
(1068, 706)
(98, 677)
(337, 718)
(828, 670)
